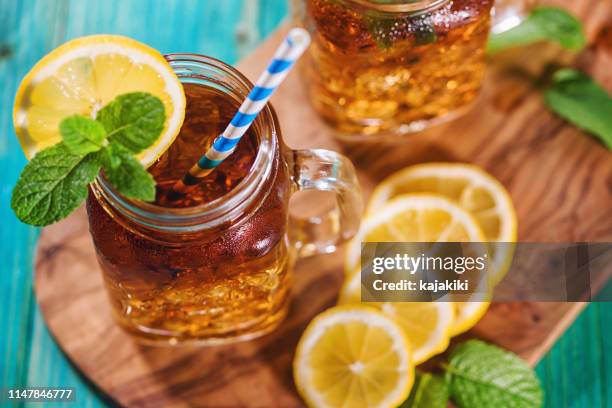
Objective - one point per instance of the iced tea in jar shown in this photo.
(215, 265)
(385, 68)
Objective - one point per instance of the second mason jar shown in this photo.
(386, 68)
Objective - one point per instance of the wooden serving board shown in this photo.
(559, 179)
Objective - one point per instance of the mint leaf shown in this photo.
(380, 29)
(135, 120)
(82, 135)
(428, 391)
(543, 23)
(127, 175)
(384, 30)
(583, 102)
(425, 34)
(53, 184)
(481, 375)
(111, 155)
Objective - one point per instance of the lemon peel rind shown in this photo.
(462, 325)
(438, 344)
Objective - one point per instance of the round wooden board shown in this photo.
(555, 174)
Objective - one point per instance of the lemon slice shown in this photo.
(350, 292)
(353, 356)
(417, 218)
(427, 325)
(467, 315)
(82, 76)
(473, 189)
(414, 218)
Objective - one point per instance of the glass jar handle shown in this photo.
(324, 170)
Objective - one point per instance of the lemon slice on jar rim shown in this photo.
(82, 76)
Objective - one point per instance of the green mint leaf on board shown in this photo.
(53, 184)
(135, 120)
(127, 175)
(481, 375)
(82, 135)
(428, 391)
(577, 98)
(543, 24)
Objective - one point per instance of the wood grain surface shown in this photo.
(558, 177)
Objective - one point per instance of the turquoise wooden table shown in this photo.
(577, 372)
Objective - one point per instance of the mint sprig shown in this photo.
(428, 391)
(127, 174)
(382, 29)
(134, 120)
(583, 102)
(478, 375)
(82, 135)
(481, 375)
(543, 24)
(54, 183)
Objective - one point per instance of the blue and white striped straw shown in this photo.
(287, 53)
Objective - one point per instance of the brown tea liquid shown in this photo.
(207, 113)
(220, 284)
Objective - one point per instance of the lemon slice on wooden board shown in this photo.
(353, 356)
(467, 315)
(417, 218)
(350, 292)
(427, 325)
(473, 189)
(414, 218)
(82, 76)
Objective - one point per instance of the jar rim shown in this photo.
(227, 207)
(400, 6)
